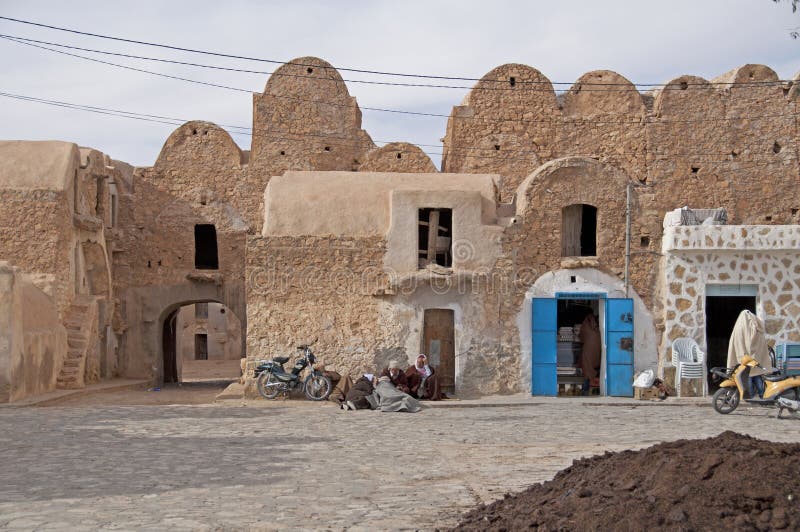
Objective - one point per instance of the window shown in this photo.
(205, 247)
(579, 231)
(201, 311)
(435, 237)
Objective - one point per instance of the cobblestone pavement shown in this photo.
(296, 464)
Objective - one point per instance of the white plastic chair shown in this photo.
(690, 363)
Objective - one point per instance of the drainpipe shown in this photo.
(627, 237)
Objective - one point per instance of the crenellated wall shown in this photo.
(729, 142)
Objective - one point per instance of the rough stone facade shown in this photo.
(114, 247)
(765, 256)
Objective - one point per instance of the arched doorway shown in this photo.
(201, 342)
(169, 350)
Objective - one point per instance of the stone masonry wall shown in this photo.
(307, 288)
(768, 257)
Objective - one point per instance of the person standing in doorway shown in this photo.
(591, 350)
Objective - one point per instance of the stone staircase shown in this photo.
(80, 321)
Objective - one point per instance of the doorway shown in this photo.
(722, 310)
(202, 342)
(438, 342)
(555, 352)
(169, 348)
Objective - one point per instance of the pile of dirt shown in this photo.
(730, 481)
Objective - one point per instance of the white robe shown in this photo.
(748, 338)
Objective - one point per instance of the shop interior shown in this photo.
(579, 354)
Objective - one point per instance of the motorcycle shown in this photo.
(780, 390)
(273, 379)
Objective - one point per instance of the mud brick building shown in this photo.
(548, 207)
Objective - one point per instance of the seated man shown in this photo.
(388, 398)
(397, 377)
(423, 381)
(359, 397)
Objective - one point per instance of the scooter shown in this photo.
(273, 379)
(780, 390)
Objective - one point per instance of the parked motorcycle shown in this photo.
(273, 379)
(780, 390)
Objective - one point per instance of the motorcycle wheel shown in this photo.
(317, 387)
(792, 394)
(725, 400)
(268, 386)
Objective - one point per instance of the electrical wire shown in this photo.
(344, 69)
(476, 88)
(560, 121)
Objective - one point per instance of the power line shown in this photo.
(346, 69)
(627, 87)
(559, 121)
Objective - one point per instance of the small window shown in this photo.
(579, 231)
(201, 347)
(201, 311)
(205, 247)
(435, 237)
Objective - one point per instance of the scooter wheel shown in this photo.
(268, 386)
(726, 400)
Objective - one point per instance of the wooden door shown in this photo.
(438, 342)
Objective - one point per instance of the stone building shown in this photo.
(548, 207)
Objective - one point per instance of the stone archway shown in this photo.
(156, 306)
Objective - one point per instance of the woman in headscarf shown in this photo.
(423, 381)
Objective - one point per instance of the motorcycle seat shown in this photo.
(774, 377)
(281, 360)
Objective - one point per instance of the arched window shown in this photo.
(578, 230)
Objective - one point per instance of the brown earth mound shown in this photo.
(730, 481)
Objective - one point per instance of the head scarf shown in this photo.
(425, 369)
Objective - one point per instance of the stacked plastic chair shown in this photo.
(690, 363)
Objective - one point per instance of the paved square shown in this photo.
(295, 464)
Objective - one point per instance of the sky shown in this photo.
(646, 41)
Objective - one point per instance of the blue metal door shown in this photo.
(619, 347)
(543, 356)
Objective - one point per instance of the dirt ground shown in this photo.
(728, 482)
(187, 393)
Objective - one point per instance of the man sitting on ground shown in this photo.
(423, 381)
(359, 397)
(388, 398)
(396, 377)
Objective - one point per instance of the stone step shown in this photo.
(74, 353)
(71, 363)
(77, 342)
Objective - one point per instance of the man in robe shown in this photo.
(396, 376)
(422, 380)
(339, 384)
(359, 397)
(387, 398)
(748, 338)
(591, 350)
